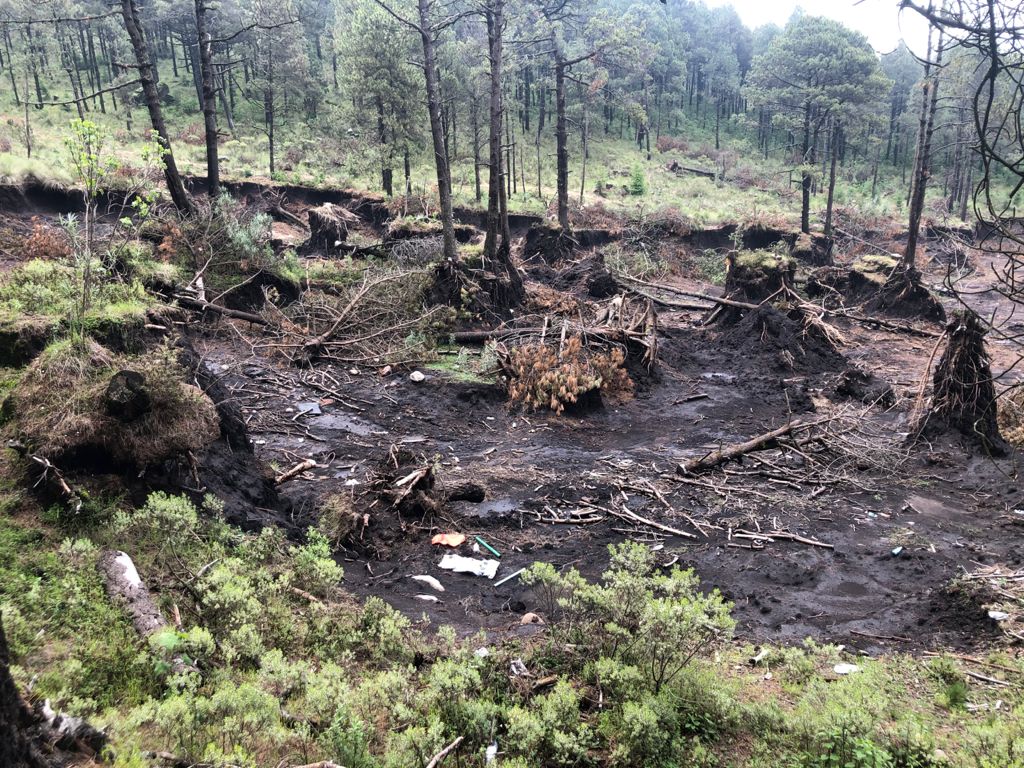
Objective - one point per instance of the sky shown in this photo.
(879, 20)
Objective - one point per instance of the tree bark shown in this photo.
(495, 185)
(926, 128)
(444, 176)
(832, 180)
(805, 175)
(561, 142)
(133, 25)
(209, 100)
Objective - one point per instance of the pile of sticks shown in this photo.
(621, 321)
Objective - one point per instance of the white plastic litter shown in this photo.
(460, 564)
(845, 669)
(998, 615)
(430, 581)
(428, 598)
(491, 754)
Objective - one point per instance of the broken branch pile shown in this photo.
(824, 453)
(379, 320)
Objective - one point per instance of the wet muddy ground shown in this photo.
(899, 537)
(899, 532)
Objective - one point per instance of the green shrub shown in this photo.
(638, 181)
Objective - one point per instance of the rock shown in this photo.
(417, 377)
(126, 398)
(328, 227)
(531, 618)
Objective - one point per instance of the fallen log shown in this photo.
(691, 294)
(290, 217)
(499, 334)
(667, 304)
(124, 585)
(198, 305)
(767, 440)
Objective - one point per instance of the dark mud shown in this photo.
(939, 516)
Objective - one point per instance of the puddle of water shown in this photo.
(723, 378)
(498, 506)
(342, 422)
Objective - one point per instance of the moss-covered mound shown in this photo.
(79, 399)
(42, 299)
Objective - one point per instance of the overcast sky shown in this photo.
(880, 20)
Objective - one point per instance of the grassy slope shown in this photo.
(321, 155)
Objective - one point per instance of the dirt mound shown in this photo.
(788, 339)
(839, 286)
(547, 244)
(864, 387)
(587, 277)
(903, 295)
(754, 276)
(68, 406)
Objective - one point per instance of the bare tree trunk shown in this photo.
(175, 187)
(832, 179)
(926, 128)
(495, 185)
(387, 173)
(208, 100)
(805, 175)
(561, 142)
(444, 176)
(474, 113)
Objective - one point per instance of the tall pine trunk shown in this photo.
(561, 142)
(209, 100)
(133, 25)
(444, 176)
(926, 129)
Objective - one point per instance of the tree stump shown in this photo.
(964, 395)
(328, 227)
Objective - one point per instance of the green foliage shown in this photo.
(551, 730)
(653, 621)
(637, 182)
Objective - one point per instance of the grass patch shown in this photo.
(60, 406)
(24, 170)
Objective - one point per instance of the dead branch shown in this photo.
(295, 471)
(436, 759)
(198, 305)
(767, 440)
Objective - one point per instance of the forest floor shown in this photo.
(902, 528)
(900, 533)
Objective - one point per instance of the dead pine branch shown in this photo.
(295, 471)
(767, 440)
(440, 756)
(198, 305)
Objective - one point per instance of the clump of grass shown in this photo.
(24, 170)
(59, 406)
(43, 288)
